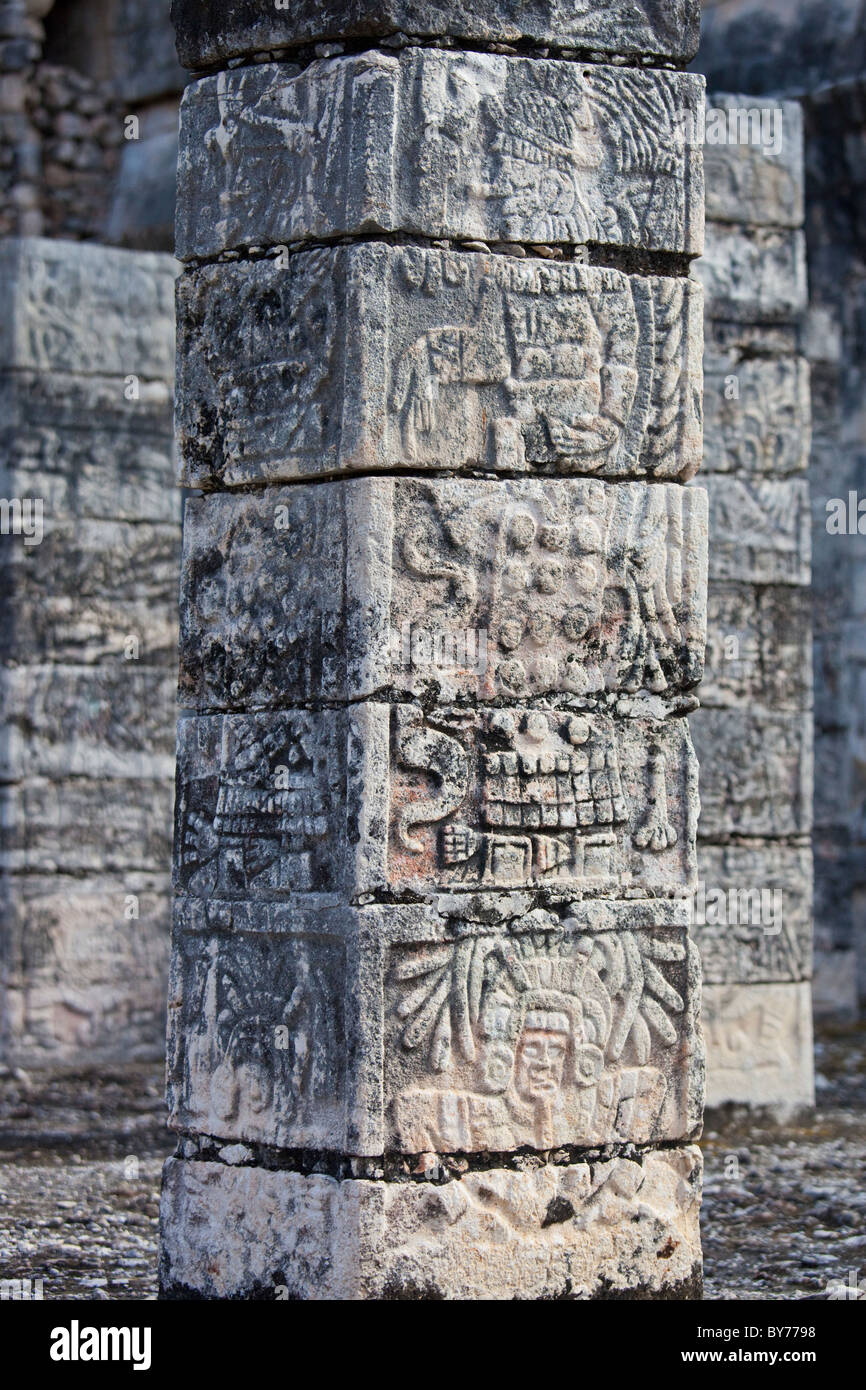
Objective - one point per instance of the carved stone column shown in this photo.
(434, 1008)
(89, 557)
(753, 910)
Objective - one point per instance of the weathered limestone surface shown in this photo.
(84, 964)
(373, 357)
(777, 46)
(587, 1230)
(87, 639)
(87, 587)
(466, 146)
(126, 44)
(377, 798)
(85, 824)
(760, 528)
(94, 454)
(758, 182)
(391, 1030)
(756, 772)
(769, 886)
(47, 329)
(210, 31)
(764, 430)
(754, 273)
(754, 652)
(444, 605)
(573, 592)
(835, 150)
(753, 734)
(759, 1044)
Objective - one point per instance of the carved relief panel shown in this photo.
(463, 146)
(541, 1038)
(257, 1038)
(757, 418)
(377, 798)
(569, 591)
(552, 1030)
(517, 798)
(378, 357)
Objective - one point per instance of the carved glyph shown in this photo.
(464, 146)
(566, 591)
(438, 360)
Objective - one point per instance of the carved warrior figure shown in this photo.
(565, 362)
(552, 155)
(551, 1034)
(263, 1034)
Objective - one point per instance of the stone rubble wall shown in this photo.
(753, 733)
(88, 636)
(434, 1009)
(69, 164)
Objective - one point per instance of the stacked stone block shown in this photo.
(753, 734)
(433, 1007)
(89, 561)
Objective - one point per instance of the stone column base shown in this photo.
(621, 1228)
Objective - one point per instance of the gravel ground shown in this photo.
(784, 1212)
(80, 1161)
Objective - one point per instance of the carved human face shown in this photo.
(540, 1063)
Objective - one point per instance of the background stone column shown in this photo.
(434, 1009)
(753, 911)
(88, 574)
(817, 54)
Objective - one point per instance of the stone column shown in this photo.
(835, 116)
(753, 910)
(818, 55)
(434, 1010)
(88, 573)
